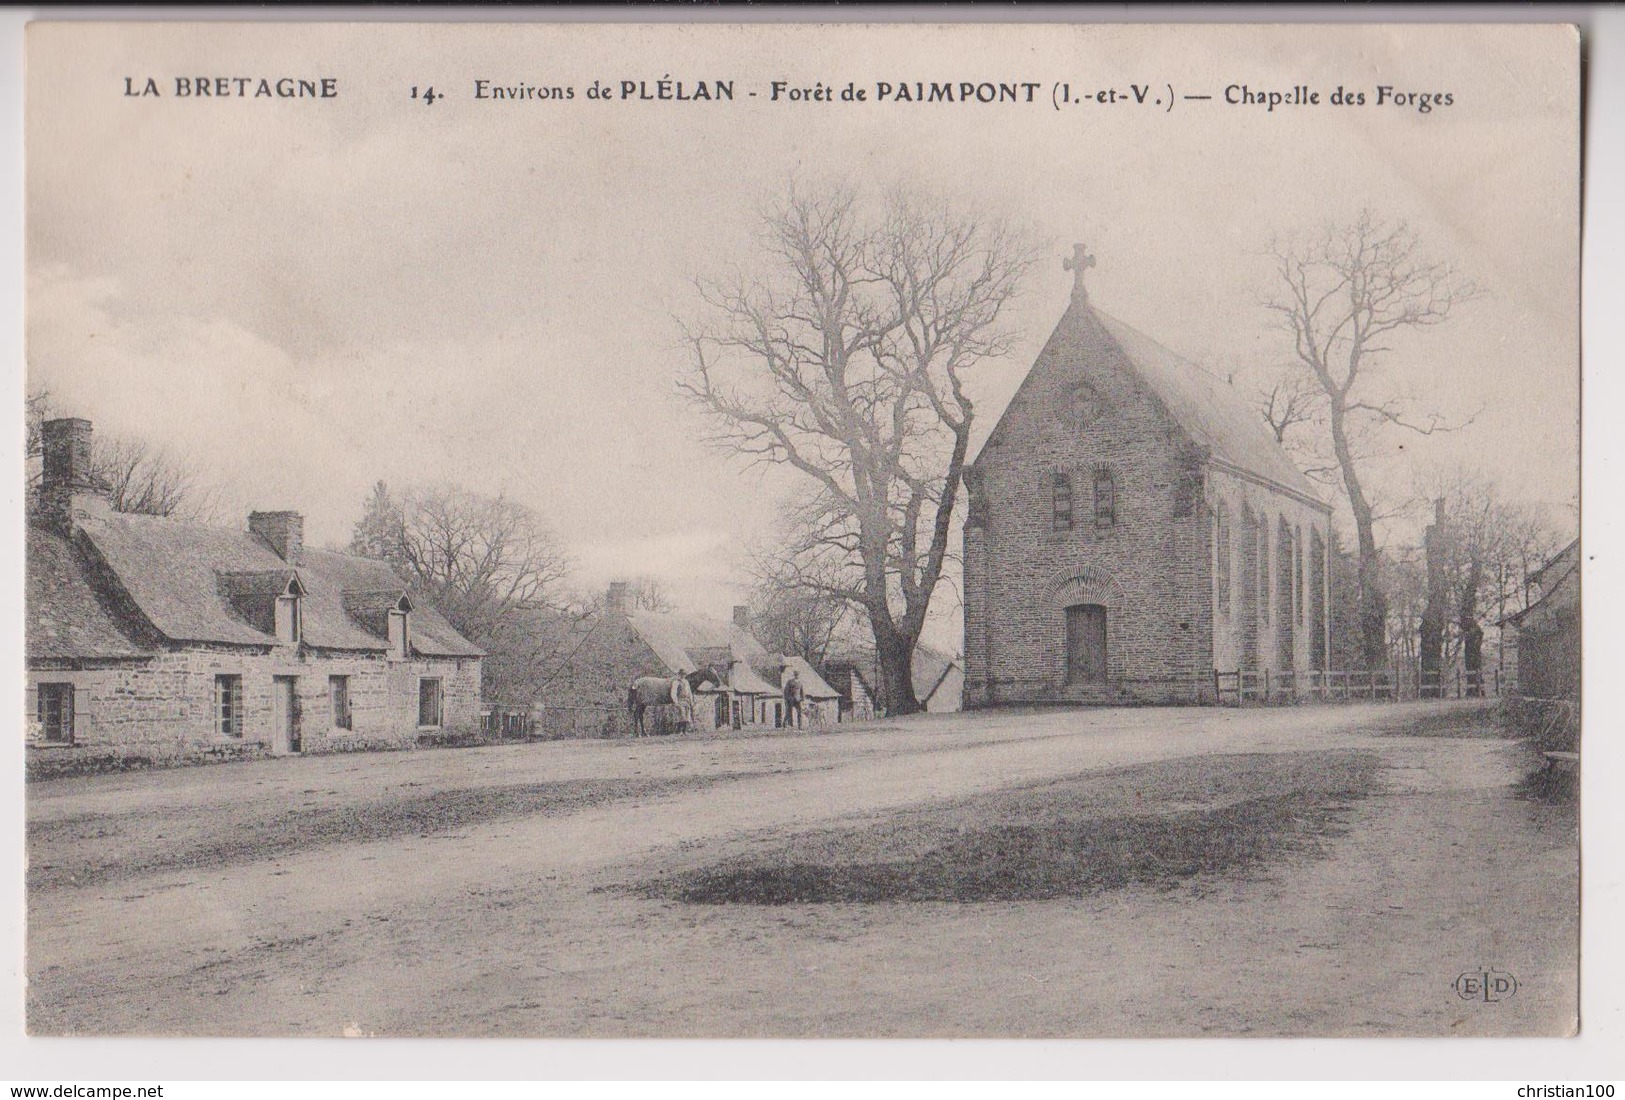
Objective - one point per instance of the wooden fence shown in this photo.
(1244, 687)
(507, 722)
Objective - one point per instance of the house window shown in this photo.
(228, 706)
(339, 688)
(287, 620)
(429, 701)
(1105, 498)
(1062, 502)
(56, 713)
(1222, 565)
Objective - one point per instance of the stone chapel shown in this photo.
(1133, 527)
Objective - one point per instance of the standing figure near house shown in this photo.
(792, 700)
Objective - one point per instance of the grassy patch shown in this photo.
(1157, 824)
(1477, 719)
(82, 851)
(42, 766)
(1551, 786)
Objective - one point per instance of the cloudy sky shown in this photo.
(306, 296)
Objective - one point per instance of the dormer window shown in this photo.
(288, 616)
(270, 600)
(400, 629)
(289, 620)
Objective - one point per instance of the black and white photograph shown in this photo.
(823, 531)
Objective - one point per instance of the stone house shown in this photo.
(148, 637)
(1134, 526)
(851, 678)
(602, 654)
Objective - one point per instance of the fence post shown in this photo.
(1266, 685)
(1218, 695)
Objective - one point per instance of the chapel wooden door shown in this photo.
(1086, 644)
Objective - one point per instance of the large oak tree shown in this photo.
(843, 355)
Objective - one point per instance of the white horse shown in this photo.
(655, 691)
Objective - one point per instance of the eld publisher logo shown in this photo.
(1485, 985)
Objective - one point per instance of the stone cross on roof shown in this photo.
(1080, 261)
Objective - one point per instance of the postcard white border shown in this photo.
(1598, 1054)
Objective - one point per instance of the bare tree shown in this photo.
(844, 358)
(477, 558)
(134, 475)
(1491, 544)
(1343, 296)
(1405, 583)
(788, 614)
(1288, 399)
(140, 478)
(646, 593)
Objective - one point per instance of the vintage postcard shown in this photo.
(817, 531)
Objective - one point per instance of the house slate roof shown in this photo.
(676, 638)
(685, 643)
(1209, 410)
(1568, 558)
(183, 577)
(813, 686)
(65, 618)
(928, 670)
(1560, 592)
(840, 672)
(743, 679)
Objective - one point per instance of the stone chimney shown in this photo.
(741, 615)
(618, 599)
(66, 481)
(283, 532)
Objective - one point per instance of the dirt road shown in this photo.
(485, 892)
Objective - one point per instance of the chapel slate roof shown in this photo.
(181, 577)
(65, 617)
(1211, 412)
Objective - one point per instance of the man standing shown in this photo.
(792, 699)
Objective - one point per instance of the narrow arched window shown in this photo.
(1264, 569)
(1105, 498)
(1061, 502)
(1297, 575)
(1221, 565)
